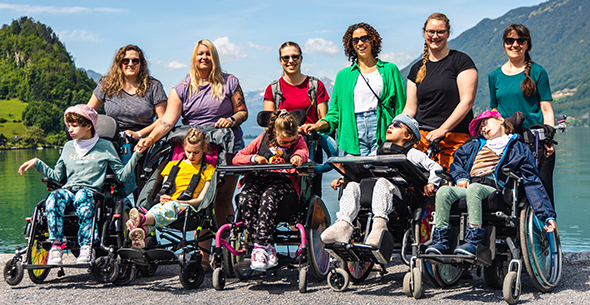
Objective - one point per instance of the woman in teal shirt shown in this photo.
(369, 93)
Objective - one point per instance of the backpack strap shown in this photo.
(277, 94)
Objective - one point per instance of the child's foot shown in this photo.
(379, 225)
(137, 237)
(55, 255)
(271, 257)
(339, 232)
(86, 255)
(136, 219)
(258, 260)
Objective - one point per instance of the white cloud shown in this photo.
(36, 9)
(228, 51)
(78, 35)
(320, 45)
(401, 59)
(176, 65)
(258, 47)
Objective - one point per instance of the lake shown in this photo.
(19, 194)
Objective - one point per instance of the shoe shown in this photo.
(258, 259)
(473, 237)
(440, 241)
(136, 220)
(272, 260)
(379, 225)
(86, 255)
(137, 237)
(339, 232)
(55, 254)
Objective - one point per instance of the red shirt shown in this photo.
(296, 97)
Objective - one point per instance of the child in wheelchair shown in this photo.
(84, 161)
(259, 198)
(185, 184)
(476, 171)
(402, 132)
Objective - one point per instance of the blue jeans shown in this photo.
(366, 124)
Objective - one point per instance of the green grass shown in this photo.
(12, 110)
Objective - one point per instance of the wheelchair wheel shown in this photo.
(319, 258)
(541, 251)
(358, 271)
(423, 229)
(302, 283)
(338, 279)
(13, 272)
(105, 270)
(218, 279)
(446, 274)
(413, 289)
(192, 275)
(238, 242)
(127, 273)
(148, 271)
(494, 274)
(37, 255)
(228, 267)
(511, 288)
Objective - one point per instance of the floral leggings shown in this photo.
(258, 203)
(55, 206)
(167, 213)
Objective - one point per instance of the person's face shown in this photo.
(397, 133)
(79, 132)
(193, 152)
(285, 141)
(290, 59)
(203, 60)
(515, 46)
(131, 63)
(361, 42)
(436, 34)
(491, 128)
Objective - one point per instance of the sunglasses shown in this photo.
(510, 41)
(287, 142)
(430, 33)
(364, 39)
(126, 61)
(287, 57)
(396, 124)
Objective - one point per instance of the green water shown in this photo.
(19, 194)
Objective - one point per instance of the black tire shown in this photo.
(318, 256)
(192, 275)
(238, 242)
(148, 271)
(105, 270)
(218, 279)
(358, 271)
(338, 279)
(302, 283)
(228, 267)
(510, 288)
(446, 275)
(127, 273)
(37, 255)
(494, 274)
(408, 284)
(13, 272)
(541, 251)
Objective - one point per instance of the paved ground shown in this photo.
(78, 287)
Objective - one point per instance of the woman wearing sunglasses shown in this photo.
(522, 85)
(441, 90)
(366, 96)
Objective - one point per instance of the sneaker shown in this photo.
(137, 237)
(271, 257)
(55, 254)
(136, 219)
(86, 255)
(258, 259)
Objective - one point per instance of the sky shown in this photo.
(246, 33)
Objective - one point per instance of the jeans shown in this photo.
(366, 124)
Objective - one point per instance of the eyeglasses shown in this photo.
(126, 61)
(510, 41)
(294, 57)
(364, 39)
(430, 33)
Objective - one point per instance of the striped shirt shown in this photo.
(484, 163)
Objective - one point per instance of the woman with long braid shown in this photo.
(522, 85)
(441, 90)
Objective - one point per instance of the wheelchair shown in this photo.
(105, 268)
(300, 221)
(174, 244)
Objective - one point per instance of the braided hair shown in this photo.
(528, 86)
(283, 122)
(438, 16)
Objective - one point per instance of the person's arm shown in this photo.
(300, 153)
(165, 124)
(411, 107)
(240, 112)
(95, 103)
(195, 202)
(322, 110)
(269, 105)
(249, 154)
(548, 115)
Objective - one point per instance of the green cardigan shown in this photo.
(342, 104)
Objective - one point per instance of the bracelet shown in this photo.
(233, 121)
(150, 139)
(138, 135)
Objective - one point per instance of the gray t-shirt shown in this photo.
(131, 110)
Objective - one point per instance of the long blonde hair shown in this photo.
(216, 79)
(113, 82)
(438, 16)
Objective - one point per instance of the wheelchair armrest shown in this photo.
(112, 179)
(51, 184)
(512, 174)
(444, 175)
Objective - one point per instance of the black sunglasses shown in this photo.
(364, 38)
(510, 41)
(126, 61)
(287, 57)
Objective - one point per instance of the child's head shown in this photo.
(490, 125)
(403, 129)
(282, 129)
(195, 144)
(81, 115)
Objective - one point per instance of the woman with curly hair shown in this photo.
(369, 93)
(441, 90)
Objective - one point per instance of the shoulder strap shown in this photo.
(192, 186)
(379, 108)
(312, 89)
(169, 186)
(277, 94)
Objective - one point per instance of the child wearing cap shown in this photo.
(84, 162)
(477, 172)
(403, 132)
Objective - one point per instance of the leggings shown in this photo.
(447, 195)
(55, 207)
(381, 206)
(165, 214)
(258, 203)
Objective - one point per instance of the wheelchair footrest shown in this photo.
(147, 257)
(483, 257)
(354, 252)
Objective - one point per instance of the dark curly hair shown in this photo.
(347, 41)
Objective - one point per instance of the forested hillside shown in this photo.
(35, 68)
(560, 32)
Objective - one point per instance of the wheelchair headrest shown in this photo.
(264, 116)
(107, 127)
(517, 119)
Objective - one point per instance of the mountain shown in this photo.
(560, 31)
(93, 75)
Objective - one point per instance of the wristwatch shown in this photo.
(233, 121)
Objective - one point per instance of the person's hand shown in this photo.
(143, 144)
(429, 189)
(260, 160)
(164, 198)
(133, 134)
(25, 167)
(336, 183)
(306, 128)
(436, 134)
(463, 183)
(551, 226)
(296, 160)
(549, 150)
(224, 123)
